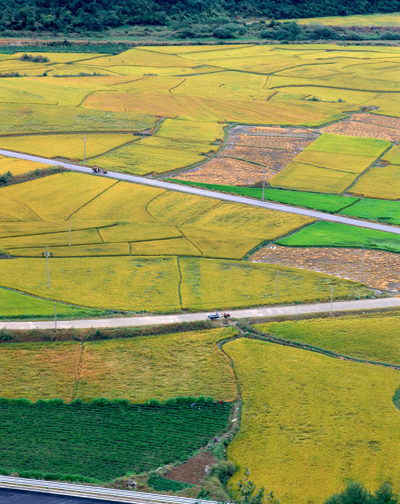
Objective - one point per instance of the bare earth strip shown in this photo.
(361, 129)
(381, 269)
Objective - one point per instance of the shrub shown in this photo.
(222, 33)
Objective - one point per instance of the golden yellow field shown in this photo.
(66, 146)
(310, 423)
(379, 182)
(18, 166)
(138, 369)
(375, 337)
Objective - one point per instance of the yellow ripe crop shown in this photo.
(66, 146)
(174, 246)
(137, 232)
(83, 237)
(211, 284)
(123, 202)
(75, 190)
(18, 166)
(141, 57)
(137, 369)
(341, 162)
(187, 364)
(311, 423)
(303, 177)
(191, 131)
(373, 338)
(246, 220)
(39, 370)
(94, 250)
(391, 19)
(379, 182)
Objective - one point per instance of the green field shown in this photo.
(392, 19)
(332, 234)
(124, 437)
(377, 210)
(323, 202)
(374, 338)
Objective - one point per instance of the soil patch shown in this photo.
(192, 471)
(361, 129)
(381, 269)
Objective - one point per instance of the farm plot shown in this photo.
(332, 234)
(381, 270)
(126, 437)
(316, 169)
(379, 182)
(180, 364)
(378, 210)
(66, 146)
(274, 159)
(18, 166)
(309, 422)
(373, 338)
(378, 120)
(361, 129)
(211, 284)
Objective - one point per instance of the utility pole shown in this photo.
(130, 248)
(362, 263)
(69, 234)
(277, 288)
(263, 185)
(331, 299)
(48, 270)
(84, 149)
(55, 315)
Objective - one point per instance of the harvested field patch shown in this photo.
(361, 129)
(306, 416)
(381, 270)
(379, 182)
(275, 142)
(274, 159)
(378, 120)
(227, 171)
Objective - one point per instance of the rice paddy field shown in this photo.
(320, 123)
(310, 423)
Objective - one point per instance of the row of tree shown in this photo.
(98, 15)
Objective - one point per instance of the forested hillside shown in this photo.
(75, 15)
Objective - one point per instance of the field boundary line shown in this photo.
(90, 201)
(151, 201)
(372, 165)
(190, 241)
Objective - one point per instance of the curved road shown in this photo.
(275, 311)
(210, 194)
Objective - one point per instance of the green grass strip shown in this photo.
(332, 234)
(323, 202)
(377, 210)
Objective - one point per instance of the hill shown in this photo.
(72, 15)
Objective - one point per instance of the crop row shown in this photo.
(104, 440)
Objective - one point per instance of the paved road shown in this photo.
(362, 304)
(8, 496)
(211, 194)
(85, 492)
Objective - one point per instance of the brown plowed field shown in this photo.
(381, 269)
(378, 120)
(275, 159)
(192, 471)
(362, 129)
(287, 143)
(227, 171)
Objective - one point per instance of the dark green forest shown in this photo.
(98, 15)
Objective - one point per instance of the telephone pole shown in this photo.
(263, 185)
(48, 270)
(84, 149)
(362, 263)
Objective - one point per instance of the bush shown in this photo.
(160, 484)
(356, 493)
(223, 471)
(222, 33)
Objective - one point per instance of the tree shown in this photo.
(247, 493)
(356, 493)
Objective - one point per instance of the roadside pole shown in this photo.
(277, 288)
(331, 300)
(48, 270)
(263, 185)
(55, 315)
(84, 149)
(362, 263)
